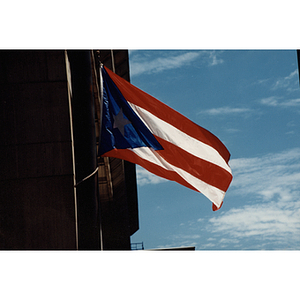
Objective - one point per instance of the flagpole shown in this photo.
(112, 61)
(100, 130)
(101, 98)
(73, 151)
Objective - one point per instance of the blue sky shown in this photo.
(251, 101)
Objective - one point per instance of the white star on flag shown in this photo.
(120, 121)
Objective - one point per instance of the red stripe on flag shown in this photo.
(202, 169)
(128, 155)
(138, 97)
(215, 207)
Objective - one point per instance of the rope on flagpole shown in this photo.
(87, 177)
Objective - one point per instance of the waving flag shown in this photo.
(139, 128)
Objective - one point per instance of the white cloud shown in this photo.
(225, 111)
(213, 58)
(270, 101)
(208, 245)
(232, 130)
(161, 63)
(227, 241)
(266, 223)
(274, 182)
(275, 102)
(262, 81)
(144, 177)
(287, 82)
(261, 172)
(140, 65)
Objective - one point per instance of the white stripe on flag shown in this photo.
(175, 136)
(214, 194)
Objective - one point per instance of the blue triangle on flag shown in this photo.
(121, 127)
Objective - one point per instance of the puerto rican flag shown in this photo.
(139, 128)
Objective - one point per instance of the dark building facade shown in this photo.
(49, 134)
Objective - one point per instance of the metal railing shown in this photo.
(137, 246)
